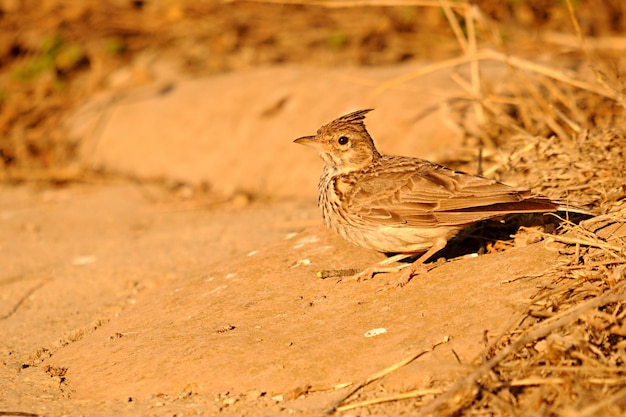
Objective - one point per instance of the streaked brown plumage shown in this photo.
(399, 204)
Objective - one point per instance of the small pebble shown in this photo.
(375, 332)
(229, 401)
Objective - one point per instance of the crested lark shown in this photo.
(399, 204)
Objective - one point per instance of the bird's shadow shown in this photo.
(479, 237)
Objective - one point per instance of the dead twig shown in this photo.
(398, 397)
(380, 374)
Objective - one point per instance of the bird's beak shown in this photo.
(309, 141)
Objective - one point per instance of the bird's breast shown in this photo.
(339, 216)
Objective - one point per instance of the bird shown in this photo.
(399, 204)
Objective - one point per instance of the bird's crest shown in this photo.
(354, 117)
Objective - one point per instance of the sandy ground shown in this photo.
(123, 298)
(129, 304)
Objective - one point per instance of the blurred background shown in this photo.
(56, 53)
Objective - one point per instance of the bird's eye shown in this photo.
(342, 140)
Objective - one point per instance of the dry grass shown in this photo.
(566, 352)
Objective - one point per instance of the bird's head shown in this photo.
(344, 144)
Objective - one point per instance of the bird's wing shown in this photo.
(421, 194)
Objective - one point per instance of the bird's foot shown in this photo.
(368, 273)
(378, 268)
(402, 273)
(403, 276)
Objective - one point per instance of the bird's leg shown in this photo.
(408, 271)
(381, 267)
(405, 271)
